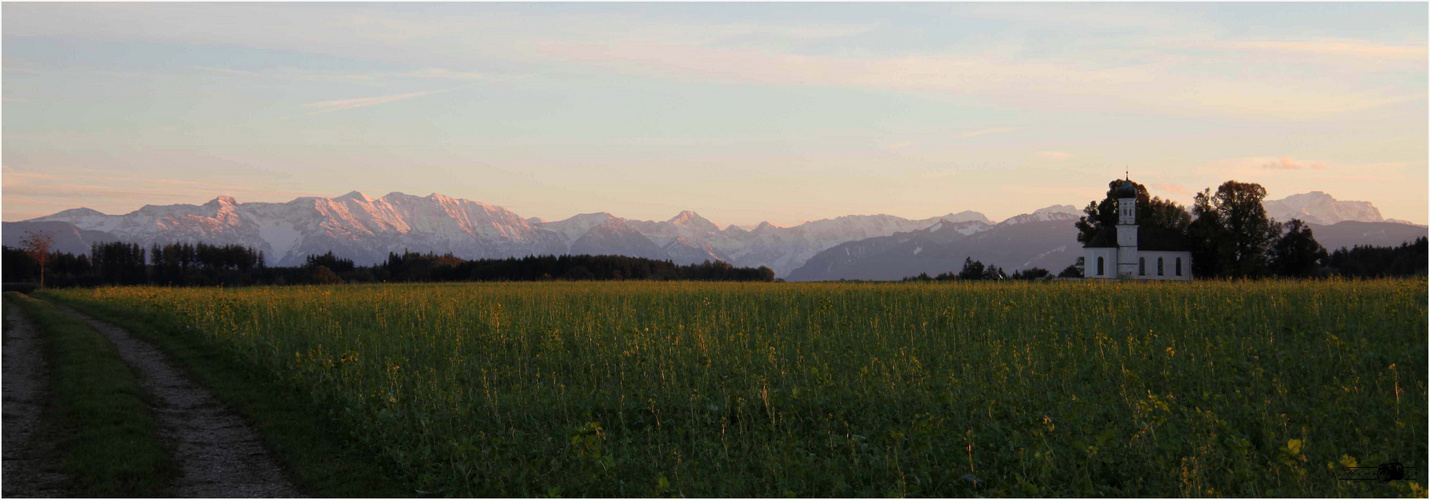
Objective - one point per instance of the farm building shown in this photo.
(1124, 252)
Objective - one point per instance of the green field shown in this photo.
(718, 389)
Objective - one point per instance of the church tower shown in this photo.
(1127, 230)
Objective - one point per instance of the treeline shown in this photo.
(409, 267)
(1408, 259)
(977, 270)
(119, 263)
(200, 264)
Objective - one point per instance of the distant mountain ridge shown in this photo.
(1044, 238)
(366, 229)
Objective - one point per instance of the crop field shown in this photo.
(718, 389)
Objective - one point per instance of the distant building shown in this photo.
(1124, 252)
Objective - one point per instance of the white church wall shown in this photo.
(1109, 263)
(1169, 265)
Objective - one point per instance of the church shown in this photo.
(1123, 252)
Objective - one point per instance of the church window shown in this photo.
(1142, 266)
(1159, 266)
(1179, 266)
(1099, 266)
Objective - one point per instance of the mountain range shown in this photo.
(366, 229)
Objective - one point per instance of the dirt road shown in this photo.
(218, 453)
(30, 461)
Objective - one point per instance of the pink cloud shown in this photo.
(1171, 188)
(1289, 164)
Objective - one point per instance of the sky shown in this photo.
(743, 112)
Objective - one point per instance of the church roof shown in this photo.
(1105, 238)
(1152, 239)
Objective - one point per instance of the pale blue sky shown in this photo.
(742, 112)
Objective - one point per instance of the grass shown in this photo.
(318, 458)
(108, 442)
(751, 389)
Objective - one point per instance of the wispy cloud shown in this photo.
(226, 71)
(986, 131)
(443, 74)
(1336, 47)
(1054, 155)
(370, 77)
(342, 104)
(900, 145)
(731, 31)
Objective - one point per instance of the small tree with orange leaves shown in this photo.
(37, 246)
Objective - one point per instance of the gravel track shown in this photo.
(218, 453)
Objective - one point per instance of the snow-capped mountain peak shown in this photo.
(694, 222)
(79, 212)
(684, 217)
(765, 227)
(967, 216)
(965, 228)
(1066, 209)
(572, 228)
(1320, 208)
(222, 201)
(1039, 216)
(355, 196)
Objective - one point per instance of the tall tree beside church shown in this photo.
(1234, 230)
(1152, 212)
(1206, 234)
(1297, 253)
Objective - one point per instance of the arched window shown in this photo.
(1099, 266)
(1159, 266)
(1179, 266)
(1142, 266)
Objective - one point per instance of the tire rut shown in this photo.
(30, 459)
(217, 452)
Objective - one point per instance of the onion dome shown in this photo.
(1126, 190)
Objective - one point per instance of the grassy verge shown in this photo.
(107, 438)
(317, 454)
